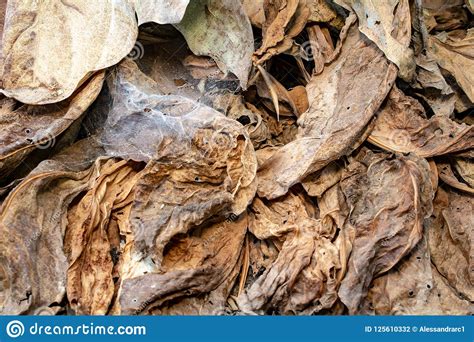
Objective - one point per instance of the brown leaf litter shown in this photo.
(204, 157)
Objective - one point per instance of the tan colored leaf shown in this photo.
(387, 23)
(27, 128)
(445, 15)
(451, 239)
(284, 20)
(414, 287)
(453, 51)
(317, 183)
(275, 96)
(50, 48)
(255, 11)
(338, 116)
(278, 15)
(446, 174)
(465, 168)
(193, 266)
(90, 285)
(321, 11)
(402, 126)
(322, 49)
(388, 201)
(302, 279)
(32, 223)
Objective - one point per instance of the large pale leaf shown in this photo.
(160, 11)
(220, 29)
(51, 47)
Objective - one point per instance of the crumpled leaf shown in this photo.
(321, 11)
(32, 224)
(303, 278)
(388, 199)
(200, 165)
(387, 23)
(451, 239)
(321, 46)
(144, 201)
(26, 128)
(453, 51)
(446, 174)
(284, 20)
(255, 11)
(445, 15)
(414, 287)
(193, 265)
(219, 178)
(220, 29)
(429, 75)
(87, 242)
(338, 116)
(465, 169)
(317, 183)
(212, 156)
(401, 126)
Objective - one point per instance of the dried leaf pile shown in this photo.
(210, 157)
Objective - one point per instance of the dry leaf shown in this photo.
(26, 128)
(388, 199)
(402, 126)
(193, 266)
(221, 30)
(337, 118)
(138, 196)
(160, 11)
(34, 46)
(87, 245)
(387, 23)
(414, 287)
(32, 224)
(453, 51)
(451, 240)
(302, 279)
(284, 20)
